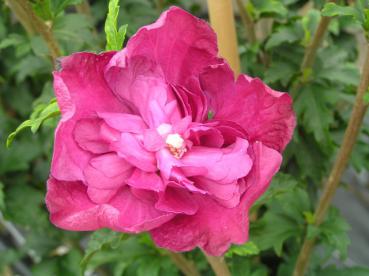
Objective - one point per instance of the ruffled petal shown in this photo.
(181, 44)
(265, 114)
(148, 181)
(213, 228)
(81, 91)
(132, 150)
(177, 200)
(215, 233)
(223, 165)
(71, 209)
(107, 171)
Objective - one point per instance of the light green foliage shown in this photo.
(247, 249)
(114, 36)
(41, 113)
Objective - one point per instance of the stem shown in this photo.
(311, 50)
(187, 267)
(310, 53)
(218, 265)
(247, 21)
(222, 21)
(24, 12)
(22, 16)
(350, 137)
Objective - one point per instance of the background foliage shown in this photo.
(30, 245)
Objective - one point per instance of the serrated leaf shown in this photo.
(114, 37)
(40, 114)
(104, 238)
(269, 7)
(246, 249)
(332, 9)
(285, 34)
(313, 109)
(283, 220)
(334, 231)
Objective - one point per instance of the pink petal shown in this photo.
(177, 200)
(124, 122)
(88, 133)
(132, 150)
(81, 90)
(267, 162)
(223, 165)
(214, 227)
(137, 215)
(107, 171)
(71, 209)
(143, 180)
(180, 43)
(265, 114)
(140, 82)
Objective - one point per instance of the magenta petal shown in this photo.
(180, 43)
(81, 90)
(139, 82)
(266, 115)
(267, 162)
(137, 215)
(223, 165)
(177, 200)
(212, 228)
(143, 180)
(100, 196)
(124, 122)
(88, 135)
(132, 150)
(107, 171)
(71, 209)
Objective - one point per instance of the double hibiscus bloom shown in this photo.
(160, 137)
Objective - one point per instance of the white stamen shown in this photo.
(175, 140)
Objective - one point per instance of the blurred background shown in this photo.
(30, 245)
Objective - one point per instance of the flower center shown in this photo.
(176, 145)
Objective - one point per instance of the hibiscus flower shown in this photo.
(161, 137)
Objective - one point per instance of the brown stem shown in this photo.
(22, 16)
(222, 21)
(350, 137)
(218, 265)
(187, 267)
(247, 21)
(311, 50)
(32, 23)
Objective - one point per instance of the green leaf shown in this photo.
(334, 232)
(332, 9)
(246, 249)
(285, 34)
(114, 36)
(12, 40)
(313, 109)
(265, 7)
(99, 240)
(41, 113)
(283, 220)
